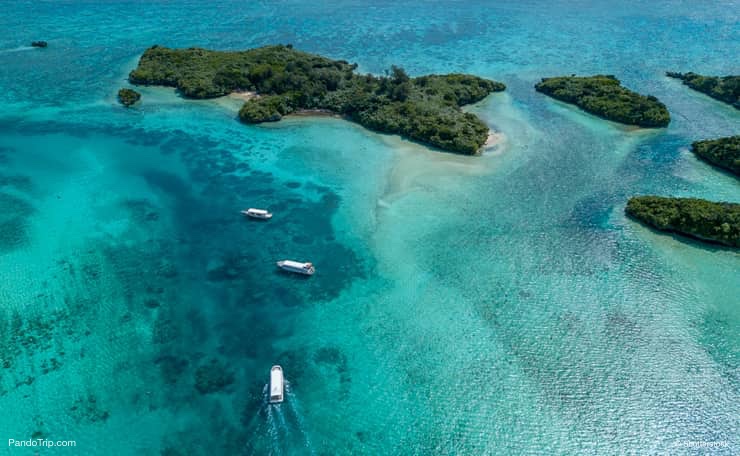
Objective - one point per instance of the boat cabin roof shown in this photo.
(295, 264)
(276, 381)
(257, 211)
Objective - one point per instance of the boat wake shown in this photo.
(17, 49)
(286, 425)
(296, 413)
(275, 430)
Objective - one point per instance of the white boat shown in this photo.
(297, 266)
(277, 385)
(257, 213)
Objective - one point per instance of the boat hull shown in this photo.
(277, 385)
(257, 216)
(286, 266)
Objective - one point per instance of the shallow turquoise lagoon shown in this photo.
(499, 304)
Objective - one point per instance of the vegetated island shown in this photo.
(425, 109)
(724, 88)
(697, 218)
(128, 97)
(722, 152)
(604, 96)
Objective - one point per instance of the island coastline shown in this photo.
(244, 95)
(722, 88)
(494, 140)
(706, 221)
(605, 97)
(723, 153)
(275, 81)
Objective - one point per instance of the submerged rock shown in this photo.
(329, 355)
(164, 329)
(86, 409)
(171, 368)
(213, 377)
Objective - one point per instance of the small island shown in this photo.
(281, 80)
(39, 44)
(725, 88)
(693, 217)
(604, 96)
(722, 152)
(128, 97)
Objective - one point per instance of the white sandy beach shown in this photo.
(243, 95)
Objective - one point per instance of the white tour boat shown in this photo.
(277, 385)
(257, 213)
(296, 266)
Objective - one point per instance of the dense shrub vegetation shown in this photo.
(722, 152)
(127, 97)
(425, 109)
(725, 88)
(702, 219)
(605, 97)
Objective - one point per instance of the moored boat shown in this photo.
(297, 267)
(277, 385)
(257, 213)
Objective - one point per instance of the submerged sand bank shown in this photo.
(419, 168)
(494, 145)
(494, 140)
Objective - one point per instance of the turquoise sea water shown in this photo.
(499, 304)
